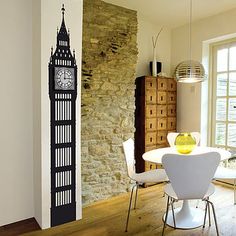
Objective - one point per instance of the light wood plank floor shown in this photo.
(107, 218)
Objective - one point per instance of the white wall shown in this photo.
(16, 138)
(146, 30)
(189, 96)
(37, 110)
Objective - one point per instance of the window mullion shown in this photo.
(227, 102)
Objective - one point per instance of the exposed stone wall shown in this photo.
(108, 83)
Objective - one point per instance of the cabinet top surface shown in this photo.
(153, 77)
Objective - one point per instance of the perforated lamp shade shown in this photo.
(190, 72)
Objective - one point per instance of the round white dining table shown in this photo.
(186, 217)
(157, 154)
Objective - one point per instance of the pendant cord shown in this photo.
(190, 71)
(190, 37)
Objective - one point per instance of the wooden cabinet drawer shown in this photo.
(150, 138)
(171, 85)
(149, 148)
(150, 166)
(151, 96)
(171, 123)
(150, 83)
(151, 124)
(161, 137)
(151, 111)
(171, 110)
(161, 123)
(162, 84)
(161, 97)
(161, 110)
(171, 97)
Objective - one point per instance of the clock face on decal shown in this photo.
(64, 78)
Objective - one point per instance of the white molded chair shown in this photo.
(190, 178)
(172, 136)
(221, 172)
(152, 176)
(197, 137)
(226, 173)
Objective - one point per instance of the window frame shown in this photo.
(213, 93)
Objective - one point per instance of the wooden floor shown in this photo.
(19, 228)
(107, 218)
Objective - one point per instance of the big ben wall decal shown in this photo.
(62, 93)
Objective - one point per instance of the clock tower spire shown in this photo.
(62, 54)
(63, 10)
(63, 35)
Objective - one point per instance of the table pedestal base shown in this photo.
(186, 217)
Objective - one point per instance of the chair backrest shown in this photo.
(190, 175)
(197, 137)
(172, 136)
(129, 156)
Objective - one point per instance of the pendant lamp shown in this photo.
(190, 71)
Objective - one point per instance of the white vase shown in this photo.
(154, 63)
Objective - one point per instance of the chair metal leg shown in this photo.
(204, 222)
(173, 213)
(130, 202)
(234, 192)
(209, 214)
(167, 209)
(214, 214)
(136, 194)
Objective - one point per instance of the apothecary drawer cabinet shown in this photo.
(155, 116)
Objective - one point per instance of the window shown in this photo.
(224, 96)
